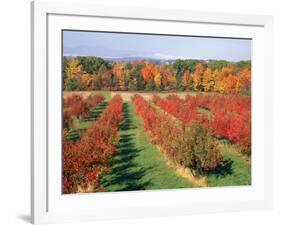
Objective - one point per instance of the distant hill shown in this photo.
(132, 59)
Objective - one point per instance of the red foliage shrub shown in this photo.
(230, 115)
(79, 107)
(189, 146)
(85, 161)
(185, 110)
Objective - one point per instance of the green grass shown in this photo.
(236, 172)
(137, 164)
(106, 94)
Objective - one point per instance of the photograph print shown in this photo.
(154, 111)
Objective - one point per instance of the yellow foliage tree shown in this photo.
(198, 76)
(186, 80)
(244, 78)
(208, 81)
(217, 80)
(157, 79)
(238, 86)
(119, 73)
(73, 69)
(222, 80)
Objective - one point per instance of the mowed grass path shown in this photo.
(237, 171)
(138, 164)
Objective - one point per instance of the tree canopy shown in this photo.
(94, 73)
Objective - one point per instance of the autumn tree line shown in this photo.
(94, 73)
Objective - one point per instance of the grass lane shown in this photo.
(237, 172)
(138, 164)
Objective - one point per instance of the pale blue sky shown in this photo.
(116, 45)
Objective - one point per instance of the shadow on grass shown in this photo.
(125, 174)
(223, 169)
(127, 122)
(97, 112)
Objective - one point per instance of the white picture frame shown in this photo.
(47, 203)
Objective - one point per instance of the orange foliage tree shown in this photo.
(168, 79)
(149, 71)
(85, 81)
(229, 84)
(243, 80)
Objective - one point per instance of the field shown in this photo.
(126, 95)
(139, 161)
(140, 114)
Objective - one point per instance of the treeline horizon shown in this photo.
(90, 73)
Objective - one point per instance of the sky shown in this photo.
(120, 45)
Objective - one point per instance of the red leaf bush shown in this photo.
(185, 110)
(75, 106)
(188, 146)
(230, 115)
(87, 160)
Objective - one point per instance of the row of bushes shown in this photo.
(77, 107)
(189, 146)
(231, 118)
(185, 111)
(87, 160)
(227, 116)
